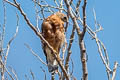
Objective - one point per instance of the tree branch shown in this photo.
(84, 20)
(32, 74)
(5, 69)
(69, 47)
(35, 54)
(114, 70)
(80, 36)
(14, 73)
(44, 73)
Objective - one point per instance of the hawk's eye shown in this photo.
(64, 19)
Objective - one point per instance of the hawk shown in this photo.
(53, 32)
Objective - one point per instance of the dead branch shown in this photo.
(56, 3)
(35, 54)
(77, 6)
(97, 30)
(99, 43)
(2, 41)
(49, 6)
(4, 24)
(37, 17)
(69, 47)
(105, 59)
(64, 49)
(6, 55)
(5, 69)
(61, 4)
(44, 73)
(26, 77)
(114, 70)
(32, 74)
(82, 44)
(80, 36)
(84, 20)
(8, 46)
(14, 73)
(60, 76)
(94, 36)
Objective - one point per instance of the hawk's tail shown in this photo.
(53, 68)
(51, 62)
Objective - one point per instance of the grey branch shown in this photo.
(8, 46)
(5, 69)
(35, 54)
(44, 73)
(32, 74)
(14, 73)
(114, 70)
(69, 47)
(80, 36)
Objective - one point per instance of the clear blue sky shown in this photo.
(21, 59)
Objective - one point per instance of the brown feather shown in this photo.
(53, 32)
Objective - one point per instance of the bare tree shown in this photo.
(79, 25)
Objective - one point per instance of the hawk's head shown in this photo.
(62, 16)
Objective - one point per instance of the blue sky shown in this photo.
(21, 59)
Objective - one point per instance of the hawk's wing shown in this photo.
(53, 32)
(47, 34)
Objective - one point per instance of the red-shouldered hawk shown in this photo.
(53, 31)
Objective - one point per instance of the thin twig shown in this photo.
(99, 43)
(10, 3)
(49, 9)
(32, 74)
(77, 6)
(101, 55)
(96, 23)
(49, 6)
(84, 20)
(114, 70)
(105, 51)
(35, 54)
(5, 69)
(94, 13)
(64, 49)
(56, 3)
(3, 31)
(37, 17)
(1, 42)
(80, 36)
(45, 77)
(60, 76)
(72, 67)
(8, 46)
(71, 1)
(26, 77)
(69, 47)
(61, 5)
(14, 73)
